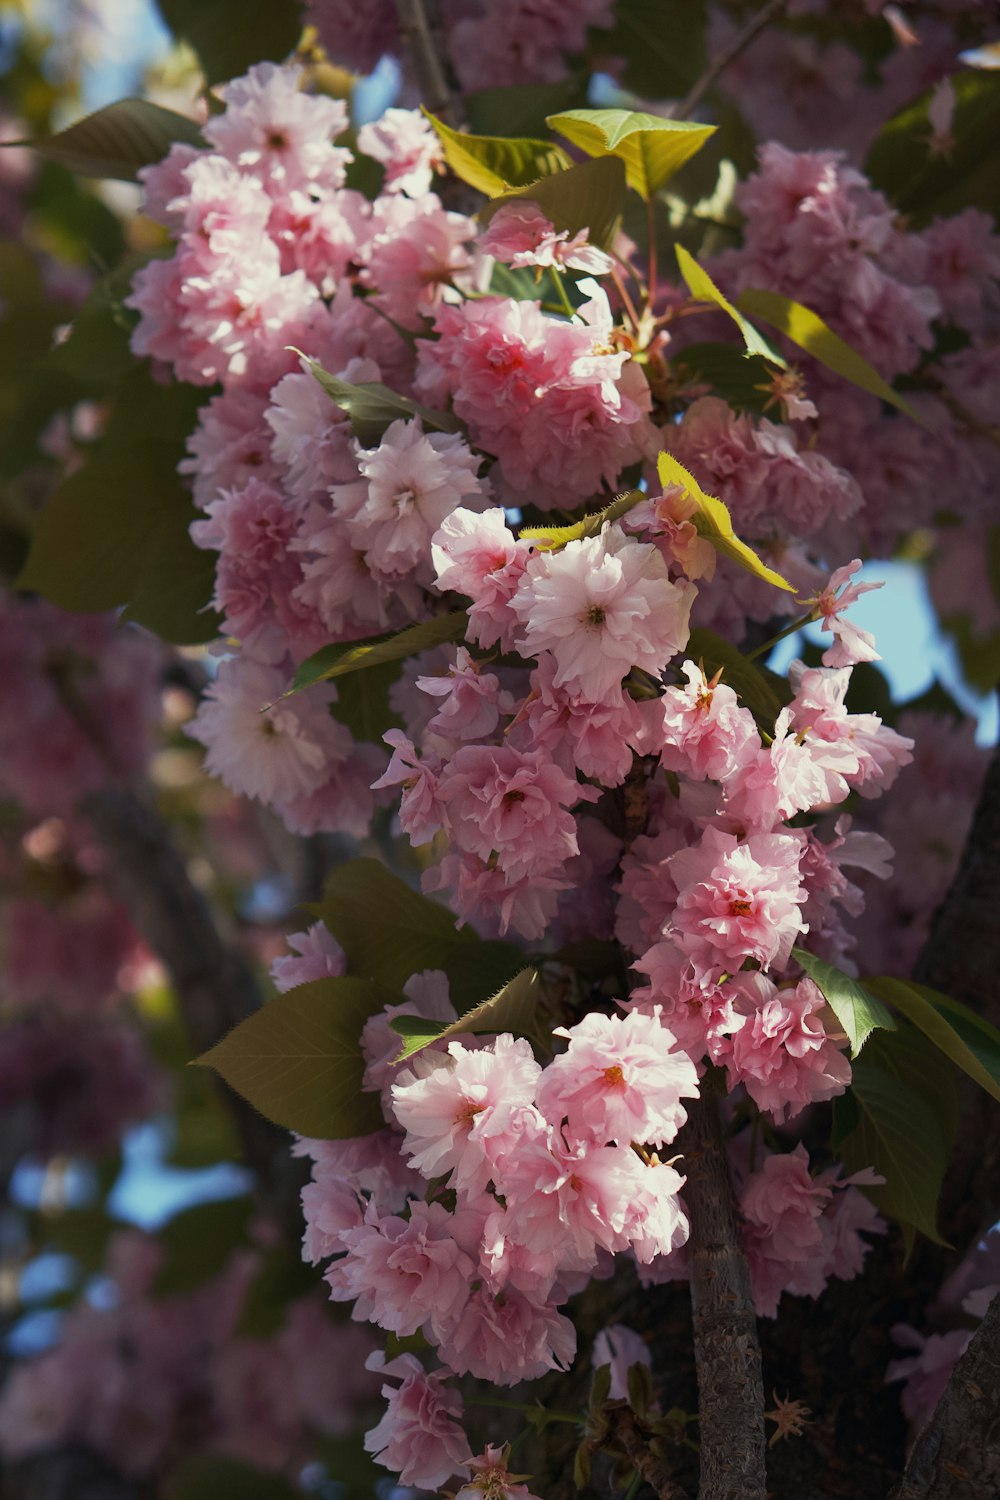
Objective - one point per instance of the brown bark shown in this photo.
(214, 985)
(957, 1455)
(727, 1352)
(636, 1443)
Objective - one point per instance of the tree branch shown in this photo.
(957, 1455)
(727, 1351)
(642, 1457)
(214, 985)
(718, 66)
(423, 38)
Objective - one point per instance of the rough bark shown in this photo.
(636, 1443)
(727, 1352)
(957, 1455)
(214, 985)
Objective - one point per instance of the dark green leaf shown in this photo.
(590, 196)
(808, 330)
(388, 930)
(477, 970)
(298, 1059)
(514, 1009)
(859, 1012)
(230, 35)
(96, 349)
(355, 656)
(652, 148)
(968, 175)
(372, 408)
(197, 1243)
(491, 163)
(967, 1039)
(755, 685)
(521, 110)
(662, 43)
(210, 1476)
(363, 702)
(739, 378)
(281, 1278)
(117, 140)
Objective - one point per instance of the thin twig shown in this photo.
(654, 1469)
(422, 39)
(756, 24)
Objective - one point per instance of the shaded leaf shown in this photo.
(343, 657)
(230, 35)
(478, 969)
(589, 196)
(714, 522)
(859, 1012)
(734, 375)
(652, 148)
(388, 930)
(298, 1059)
(96, 348)
(118, 140)
(808, 330)
(967, 1039)
(363, 702)
(553, 538)
(197, 1243)
(210, 1476)
(282, 1277)
(513, 1009)
(521, 110)
(372, 407)
(755, 685)
(493, 163)
(703, 289)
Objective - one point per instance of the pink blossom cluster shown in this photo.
(127, 1377)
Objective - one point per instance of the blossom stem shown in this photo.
(782, 634)
(561, 291)
(651, 247)
(627, 302)
(718, 66)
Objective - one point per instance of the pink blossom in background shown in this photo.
(418, 1437)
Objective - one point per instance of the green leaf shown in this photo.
(342, 657)
(494, 163)
(197, 1243)
(363, 702)
(714, 522)
(652, 148)
(703, 289)
(554, 538)
(924, 186)
(388, 930)
(298, 1059)
(514, 1009)
(969, 1040)
(282, 1277)
(230, 35)
(906, 1114)
(808, 330)
(755, 685)
(478, 969)
(521, 110)
(372, 407)
(96, 348)
(589, 196)
(117, 140)
(210, 1476)
(737, 377)
(859, 1012)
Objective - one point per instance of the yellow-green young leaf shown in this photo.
(514, 1009)
(859, 1012)
(652, 148)
(714, 522)
(703, 289)
(808, 330)
(967, 1039)
(388, 931)
(552, 538)
(342, 657)
(298, 1059)
(117, 140)
(589, 196)
(493, 163)
(372, 407)
(757, 687)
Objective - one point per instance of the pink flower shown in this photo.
(738, 900)
(477, 555)
(705, 729)
(491, 1479)
(416, 255)
(602, 606)
(496, 903)
(793, 774)
(420, 810)
(596, 738)
(668, 519)
(508, 1339)
(782, 1053)
(510, 804)
(471, 700)
(818, 707)
(419, 1437)
(621, 1348)
(319, 956)
(281, 135)
(781, 1207)
(621, 1079)
(407, 146)
(851, 643)
(521, 235)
